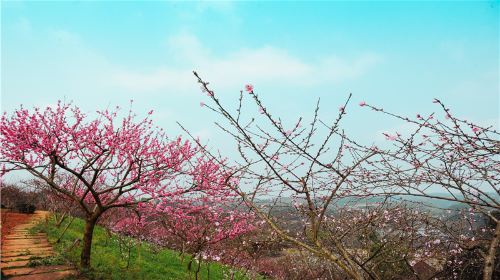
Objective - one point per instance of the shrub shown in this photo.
(26, 208)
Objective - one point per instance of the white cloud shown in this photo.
(84, 72)
(160, 79)
(204, 135)
(263, 65)
(65, 37)
(23, 25)
(453, 49)
(185, 47)
(338, 69)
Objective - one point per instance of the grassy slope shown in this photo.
(108, 263)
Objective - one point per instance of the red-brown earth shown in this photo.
(10, 220)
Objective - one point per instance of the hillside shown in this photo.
(111, 258)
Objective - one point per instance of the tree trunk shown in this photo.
(198, 268)
(87, 241)
(489, 260)
(60, 220)
(65, 229)
(208, 271)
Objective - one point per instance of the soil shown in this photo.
(10, 219)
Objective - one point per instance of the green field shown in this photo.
(109, 262)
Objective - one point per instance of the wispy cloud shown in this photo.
(83, 69)
(23, 25)
(268, 64)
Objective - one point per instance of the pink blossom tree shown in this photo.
(100, 163)
(195, 229)
(444, 157)
(292, 178)
(193, 222)
(300, 178)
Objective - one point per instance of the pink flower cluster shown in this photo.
(124, 163)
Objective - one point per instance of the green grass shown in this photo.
(145, 262)
(37, 261)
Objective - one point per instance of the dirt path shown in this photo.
(20, 251)
(10, 220)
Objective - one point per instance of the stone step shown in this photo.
(24, 248)
(34, 270)
(25, 257)
(25, 226)
(25, 236)
(56, 275)
(25, 245)
(26, 252)
(17, 242)
(11, 248)
(4, 265)
(12, 242)
(19, 232)
(34, 234)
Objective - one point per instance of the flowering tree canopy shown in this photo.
(192, 222)
(103, 162)
(449, 159)
(319, 189)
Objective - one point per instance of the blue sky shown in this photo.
(399, 55)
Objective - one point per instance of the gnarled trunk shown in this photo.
(88, 233)
(489, 260)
